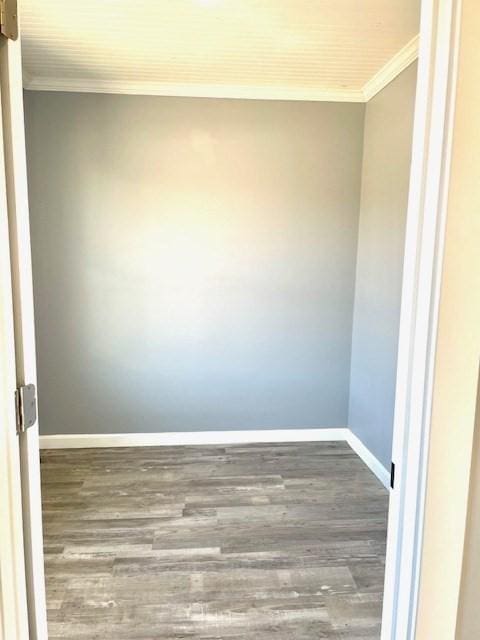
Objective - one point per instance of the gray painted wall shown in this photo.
(385, 180)
(194, 261)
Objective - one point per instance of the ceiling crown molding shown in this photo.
(245, 92)
(395, 66)
(381, 79)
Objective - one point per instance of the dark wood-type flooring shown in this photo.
(260, 542)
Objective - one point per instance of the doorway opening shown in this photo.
(199, 307)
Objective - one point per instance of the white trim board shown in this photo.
(424, 239)
(95, 85)
(179, 438)
(368, 458)
(174, 438)
(398, 63)
(391, 69)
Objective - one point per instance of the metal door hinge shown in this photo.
(8, 19)
(392, 476)
(26, 406)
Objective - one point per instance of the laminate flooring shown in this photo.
(269, 541)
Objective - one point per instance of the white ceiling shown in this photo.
(291, 49)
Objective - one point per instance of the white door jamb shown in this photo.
(435, 100)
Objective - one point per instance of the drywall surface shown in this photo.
(468, 620)
(194, 261)
(452, 458)
(383, 212)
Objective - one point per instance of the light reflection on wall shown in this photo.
(194, 261)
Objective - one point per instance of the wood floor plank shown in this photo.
(209, 543)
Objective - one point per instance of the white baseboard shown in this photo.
(87, 441)
(369, 459)
(76, 441)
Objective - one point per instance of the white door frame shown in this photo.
(425, 233)
(436, 83)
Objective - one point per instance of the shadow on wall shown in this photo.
(381, 239)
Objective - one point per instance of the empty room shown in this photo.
(218, 199)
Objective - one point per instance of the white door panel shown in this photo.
(22, 293)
